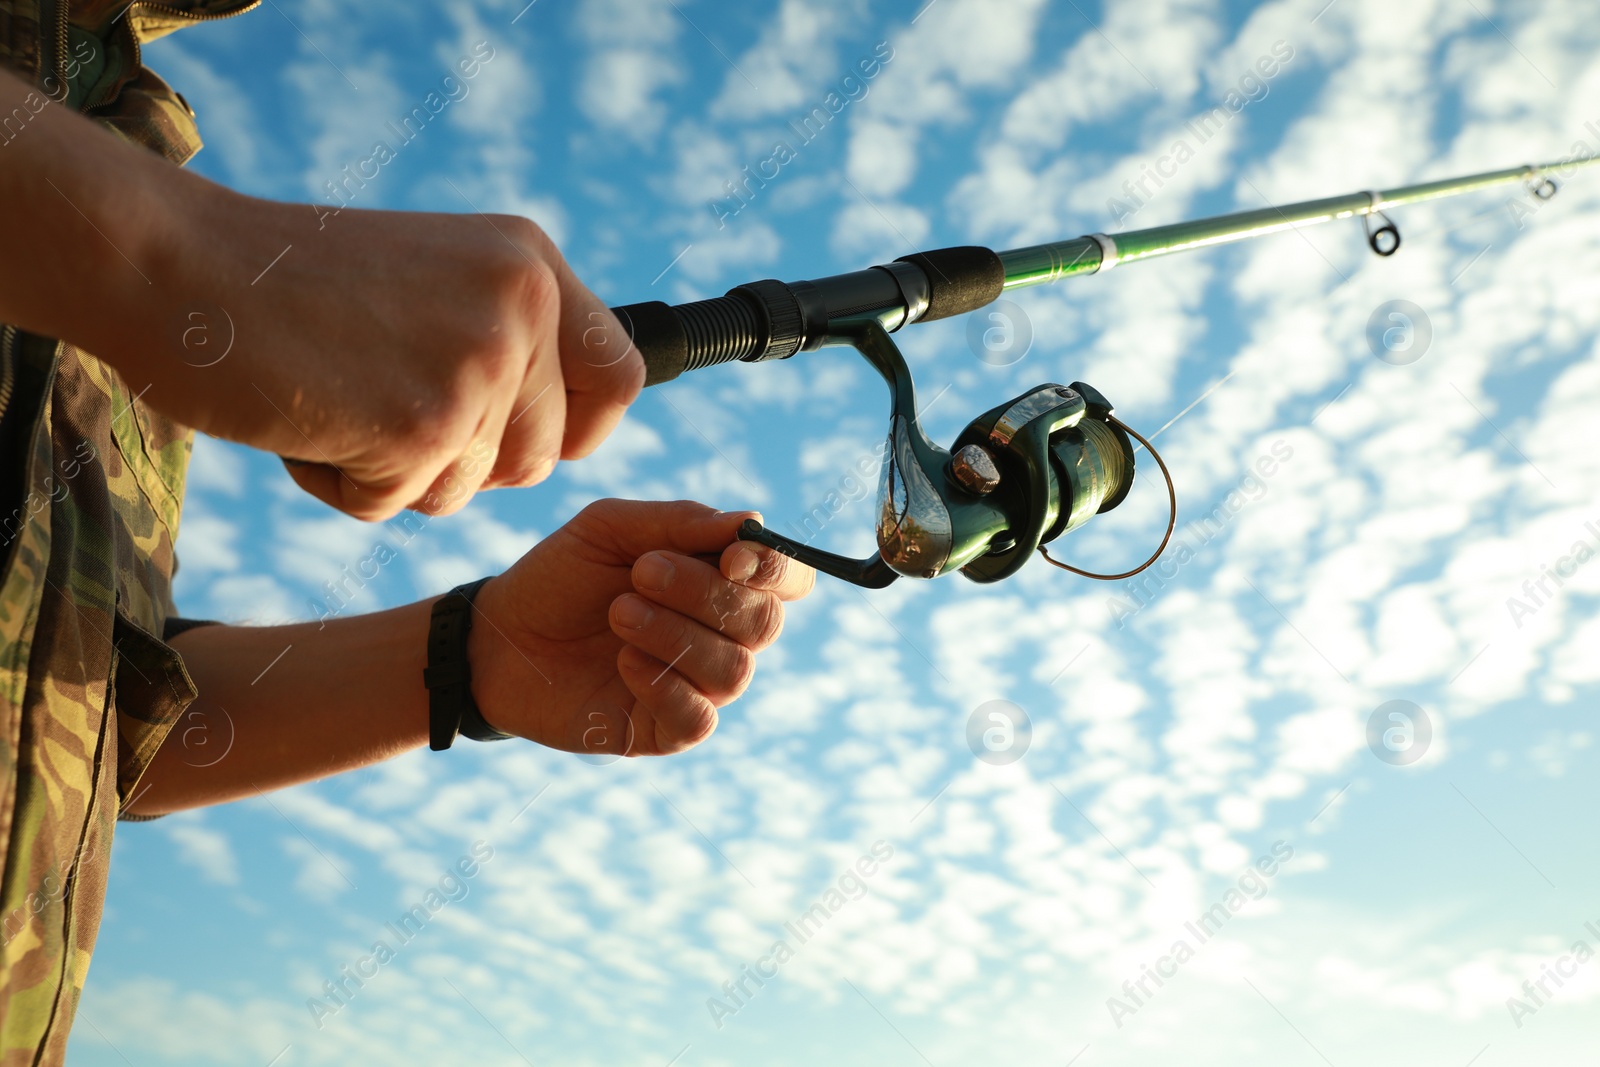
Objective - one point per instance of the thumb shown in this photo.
(602, 370)
(634, 527)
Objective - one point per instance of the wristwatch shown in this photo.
(448, 675)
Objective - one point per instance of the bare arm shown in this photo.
(341, 696)
(377, 346)
(620, 634)
(73, 199)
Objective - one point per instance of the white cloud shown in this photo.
(321, 874)
(633, 58)
(254, 599)
(793, 63)
(878, 231)
(208, 542)
(217, 466)
(203, 848)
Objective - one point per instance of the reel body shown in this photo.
(1018, 476)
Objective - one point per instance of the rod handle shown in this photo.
(771, 319)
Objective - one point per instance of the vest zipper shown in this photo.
(8, 367)
(60, 41)
(53, 47)
(176, 13)
(190, 16)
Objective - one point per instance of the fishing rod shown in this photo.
(1023, 473)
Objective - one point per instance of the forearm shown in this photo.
(290, 704)
(90, 216)
(145, 265)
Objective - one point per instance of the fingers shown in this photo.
(369, 501)
(457, 483)
(322, 482)
(760, 567)
(532, 441)
(632, 527)
(582, 374)
(717, 666)
(669, 715)
(533, 426)
(696, 590)
(641, 712)
(696, 627)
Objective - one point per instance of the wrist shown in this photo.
(487, 647)
(453, 709)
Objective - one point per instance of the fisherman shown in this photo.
(396, 361)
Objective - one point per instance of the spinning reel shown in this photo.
(1019, 476)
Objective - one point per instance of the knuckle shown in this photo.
(542, 290)
(451, 489)
(448, 499)
(437, 430)
(375, 509)
(533, 280)
(527, 235)
(428, 426)
(489, 368)
(696, 722)
(683, 511)
(531, 471)
(768, 621)
(772, 570)
(724, 604)
(523, 270)
(598, 519)
(502, 365)
(714, 597)
(741, 671)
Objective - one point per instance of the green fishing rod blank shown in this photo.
(772, 319)
(1046, 263)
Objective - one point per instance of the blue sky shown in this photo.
(1171, 748)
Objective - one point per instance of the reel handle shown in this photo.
(870, 573)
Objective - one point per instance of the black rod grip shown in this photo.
(658, 334)
(690, 336)
(773, 320)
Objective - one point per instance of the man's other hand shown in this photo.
(622, 633)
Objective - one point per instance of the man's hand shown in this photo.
(624, 631)
(403, 359)
(407, 359)
(562, 652)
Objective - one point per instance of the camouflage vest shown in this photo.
(91, 487)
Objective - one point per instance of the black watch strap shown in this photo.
(448, 676)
